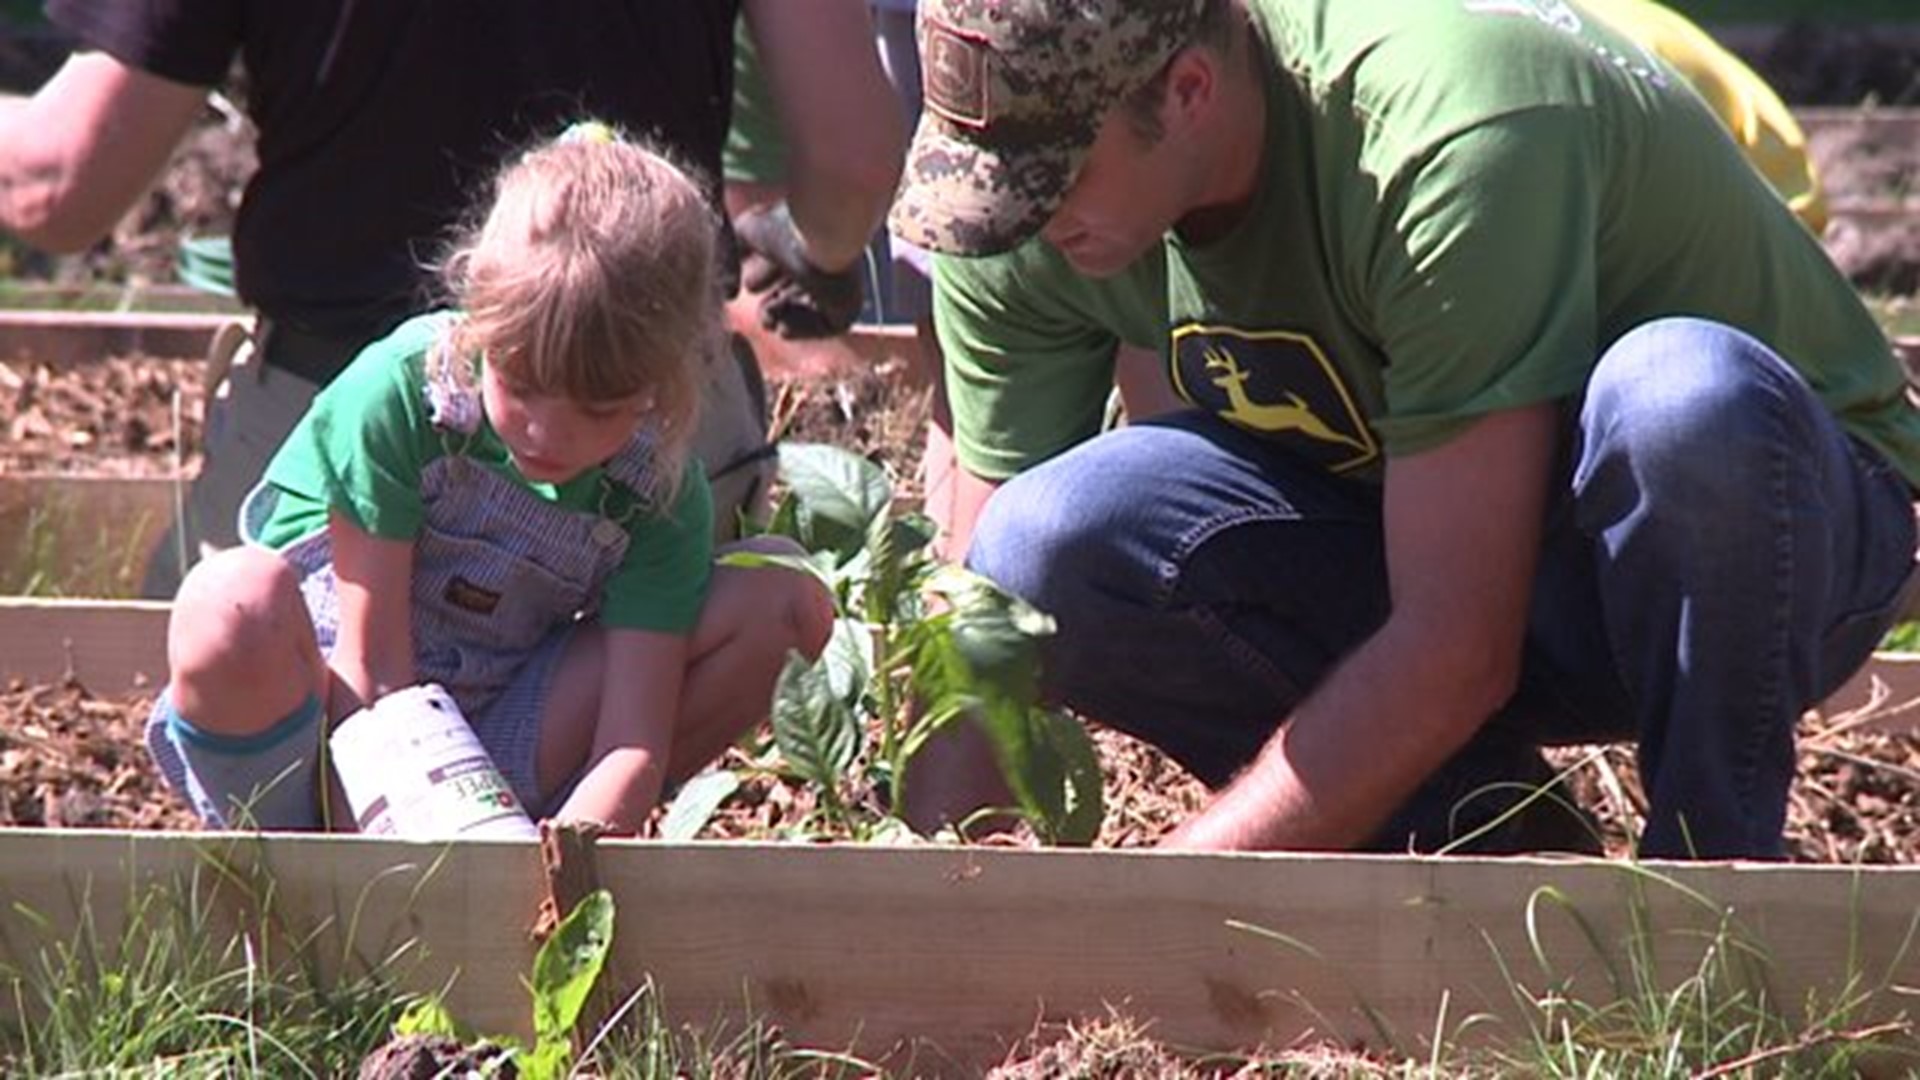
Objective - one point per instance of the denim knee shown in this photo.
(1043, 535)
(1688, 413)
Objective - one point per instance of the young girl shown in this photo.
(499, 499)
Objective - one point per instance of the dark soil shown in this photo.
(70, 759)
(431, 1057)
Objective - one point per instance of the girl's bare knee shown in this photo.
(239, 620)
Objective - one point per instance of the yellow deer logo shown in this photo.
(1295, 415)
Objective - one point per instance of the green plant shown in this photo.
(917, 645)
(565, 969)
(1902, 637)
(53, 556)
(179, 987)
(1709, 1012)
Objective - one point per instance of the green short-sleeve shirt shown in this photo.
(1461, 205)
(363, 445)
(1028, 346)
(756, 147)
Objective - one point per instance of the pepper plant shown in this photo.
(917, 644)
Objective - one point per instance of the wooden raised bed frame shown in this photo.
(966, 950)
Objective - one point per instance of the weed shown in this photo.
(180, 989)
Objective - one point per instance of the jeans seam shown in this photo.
(1771, 692)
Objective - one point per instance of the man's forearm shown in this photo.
(1357, 748)
(834, 220)
(83, 149)
(841, 118)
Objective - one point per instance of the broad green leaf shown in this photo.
(895, 546)
(837, 493)
(696, 802)
(1082, 793)
(816, 732)
(548, 1060)
(568, 964)
(1032, 772)
(997, 638)
(817, 566)
(849, 659)
(786, 519)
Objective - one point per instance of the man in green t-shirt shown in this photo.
(1521, 410)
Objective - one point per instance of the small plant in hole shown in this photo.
(917, 644)
(565, 970)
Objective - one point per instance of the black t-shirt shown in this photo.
(381, 121)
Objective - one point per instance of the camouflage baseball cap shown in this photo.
(1014, 93)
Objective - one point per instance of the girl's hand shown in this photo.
(634, 712)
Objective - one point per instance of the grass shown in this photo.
(51, 556)
(1718, 1017)
(205, 979)
(171, 994)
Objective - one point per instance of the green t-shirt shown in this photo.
(363, 445)
(1028, 346)
(1461, 205)
(756, 148)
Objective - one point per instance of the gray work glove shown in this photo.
(796, 299)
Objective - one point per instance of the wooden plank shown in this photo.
(63, 339)
(110, 646)
(80, 535)
(940, 958)
(66, 338)
(116, 645)
(867, 346)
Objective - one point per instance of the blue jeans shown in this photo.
(1718, 556)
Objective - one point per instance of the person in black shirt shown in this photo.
(376, 121)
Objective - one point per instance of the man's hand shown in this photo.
(796, 299)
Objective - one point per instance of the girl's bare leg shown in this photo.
(241, 652)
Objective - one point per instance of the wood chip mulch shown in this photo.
(114, 418)
(69, 759)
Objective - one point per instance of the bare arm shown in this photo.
(1462, 539)
(1145, 389)
(633, 735)
(373, 655)
(845, 135)
(76, 155)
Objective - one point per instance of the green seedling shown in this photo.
(565, 970)
(917, 645)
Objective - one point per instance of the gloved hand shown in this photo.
(796, 299)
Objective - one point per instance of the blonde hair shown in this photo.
(593, 276)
